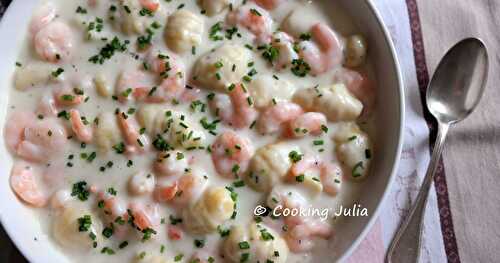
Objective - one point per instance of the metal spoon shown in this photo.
(453, 93)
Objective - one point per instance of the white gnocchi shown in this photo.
(224, 66)
(255, 243)
(355, 50)
(177, 128)
(68, 229)
(354, 150)
(265, 88)
(214, 207)
(184, 31)
(335, 101)
(107, 133)
(269, 165)
(31, 75)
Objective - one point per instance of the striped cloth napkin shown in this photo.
(402, 19)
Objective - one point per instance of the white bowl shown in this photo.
(18, 221)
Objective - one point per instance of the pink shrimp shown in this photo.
(166, 193)
(184, 190)
(54, 42)
(359, 85)
(174, 232)
(145, 216)
(274, 116)
(67, 97)
(307, 123)
(269, 4)
(286, 53)
(42, 17)
(231, 154)
(330, 174)
(47, 106)
(325, 52)
(33, 139)
(235, 109)
(299, 237)
(24, 184)
(83, 132)
(151, 5)
(136, 142)
(113, 206)
(257, 20)
(128, 81)
(172, 73)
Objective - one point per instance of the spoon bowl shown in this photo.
(459, 81)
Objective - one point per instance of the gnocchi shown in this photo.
(255, 243)
(71, 228)
(107, 133)
(335, 101)
(265, 89)
(269, 165)
(184, 31)
(214, 208)
(224, 66)
(31, 75)
(354, 150)
(355, 51)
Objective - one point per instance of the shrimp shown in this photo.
(145, 216)
(301, 229)
(325, 52)
(136, 142)
(170, 164)
(231, 154)
(286, 53)
(151, 5)
(183, 191)
(309, 122)
(173, 82)
(274, 116)
(113, 206)
(42, 17)
(299, 237)
(34, 139)
(128, 81)
(257, 20)
(47, 106)
(269, 4)
(24, 184)
(359, 85)
(67, 97)
(330, 174)
(81, 130)
(54, 42)
(174, 232)
(235, 109)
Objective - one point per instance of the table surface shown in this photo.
(472, 154)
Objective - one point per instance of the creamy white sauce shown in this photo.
(118, 175)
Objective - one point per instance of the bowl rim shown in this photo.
(401, 94)
(8, 20)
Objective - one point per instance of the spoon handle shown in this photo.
(405, 247)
